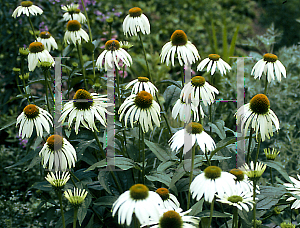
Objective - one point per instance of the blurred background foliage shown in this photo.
(210, 25)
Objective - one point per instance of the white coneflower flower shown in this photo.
(259, 115)
(268, 65)
(142, 108)
(73, 13)
(27, 8)
(37, 54)
(198, 89)
(47, 39)
(136, 22)
(186, 52)
(175, 219)
(212, 180)
(271, 154)
(113, 54)
(242, 182)
(185, 111)
(75, 34)
(58, 154)
(295, 190)
(287, 225)
(58, 180)
(197, 133)
(169, 200)
(252, 172)
(213, 62)
(33, 116)
(85, 108)
(139, 200)
(239, 199)
(142, 84)
(76, 197)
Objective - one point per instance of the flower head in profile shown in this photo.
(198, 89)
(253, 172)
(142, 108)
(239, 199)
(27, 8)
(189, 135)
(287, 225)
(136, 22)
(38, 54)
(58, 154)
(146, 205)
(294, 189)
(271, 154)
(84, 109)
(175, 219)
(76, 197)
(185, 111)
(212, 180)
(34, 117)
(214, 62)
(268, 65)
(142, 84)
(47, 40)
(169, 200)
(259, 115)
(75, 34)
(113, 54)
(58, 179)
(181, 47)
(241, 181)
(73, 13)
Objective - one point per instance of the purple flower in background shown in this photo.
(43, 27)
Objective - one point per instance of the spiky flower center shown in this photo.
(164, 193)
(238, 174)
(73, 25)
(77, 11)
(112, 45)
(270, 57)
(194, 128)
(26, 3)
(139, 192)
(55, 142)
(36, 47)
(214, 57)
(212, 172)
(135, 12)
(31, 111)
(198, 81)
(143, 100)
(170, 219)
(45, 35)
(260, 104)
(143, 79)
(85, 99)
(179, 38)
(235, 199)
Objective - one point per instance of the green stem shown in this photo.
(271, 176)
(23, 79)
(182, 75)
(143, 154)
(49, 86)
(254, 205)
(75, 217)
(31, 25)
(191, 176)
(211, 211)
(46, 88)
(81, 63)
(266, 85)
(118, 86)
(235, 218)
(249, 146)
(99, 145)
(150, 77)
(207, 159)
(17, 81)
(91, 36)
(61, 207)
(109, 24)
(257, 152)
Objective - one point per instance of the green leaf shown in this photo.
(224, 39)
(34, 161)
(233, 41)
(218, 128)
(99, 164)
(197, 207)
(121, 162)
(91, 222)
(9, 124)
(279, 167)
(68, 50)
(161, 177)
(82, 210)
(171, 95)
(103, 179)
(68, 218)
(106, 200)
(173, 82)
(216, 214)
(164, 165)
(90, 46)
(45, 186)
(28, 157)
(159, 151)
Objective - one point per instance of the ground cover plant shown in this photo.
(148, 114)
